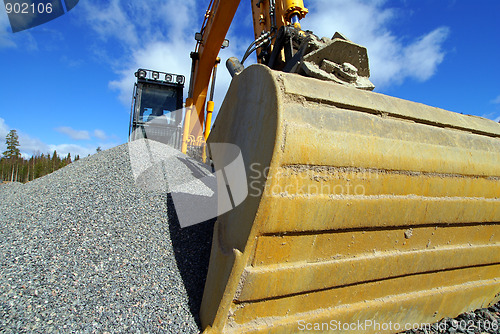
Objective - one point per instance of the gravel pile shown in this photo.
(90, 249)
(96, 247)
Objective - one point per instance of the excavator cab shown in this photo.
(157, 107)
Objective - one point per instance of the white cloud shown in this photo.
(496, 100)
(156, 37)
(5, 35)
(166, 41)
(30, 146)
(392, 59)
(63, 150)
(4, 129)
(153, 34)
(156, 55)
(421, 58)
(100, 134)
(137, 23)
(23, 39)
(73, 134)
(109, 21)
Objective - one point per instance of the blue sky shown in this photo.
(67, 84)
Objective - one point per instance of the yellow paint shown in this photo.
(311, 248)
(208, 122)
(294, 7)
(335, 298)
(186, 125)
(420, 242)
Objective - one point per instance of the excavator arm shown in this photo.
(217, 20)
(269, 16)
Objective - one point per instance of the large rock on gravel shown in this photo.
(91, 249)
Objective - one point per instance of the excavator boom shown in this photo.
(272, 15)
(218, 18)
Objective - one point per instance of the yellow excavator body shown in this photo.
(365, 214)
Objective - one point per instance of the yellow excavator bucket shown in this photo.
(365, 214)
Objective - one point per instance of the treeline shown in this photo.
(24, 170)
(13, 167)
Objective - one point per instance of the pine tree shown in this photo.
(12, 154)
(12, 142)
(54, 162)
(25, 170)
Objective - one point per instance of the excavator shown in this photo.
(371, 214)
